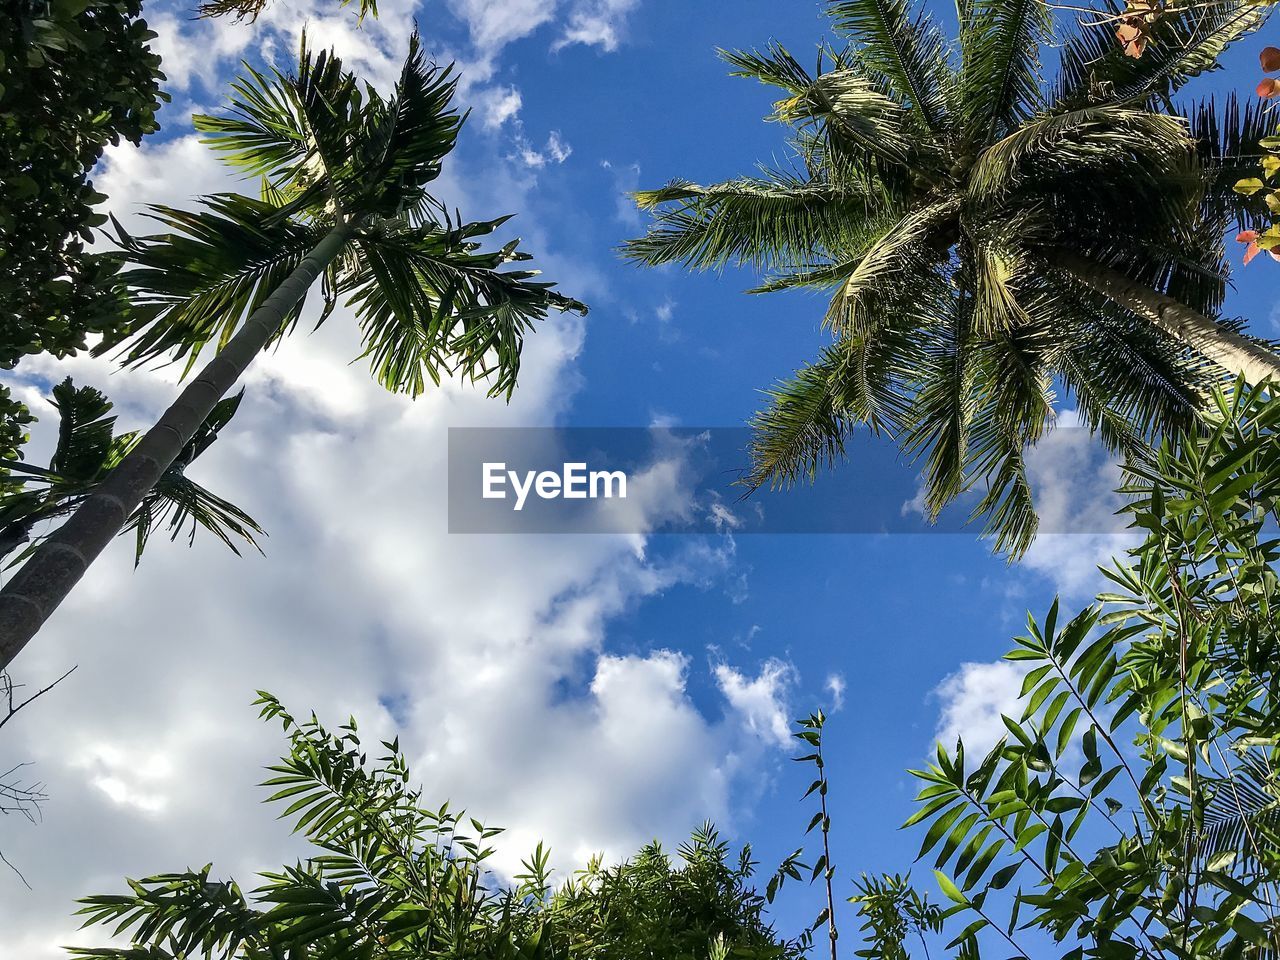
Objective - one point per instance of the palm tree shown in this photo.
(345, 199)
(87, 451)
(984, 234)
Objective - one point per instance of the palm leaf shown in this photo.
(804, 428)
(84, 433)
(1185, 42)
(904, 246)
(430, 303)
(1000, 82)
(773, 222)
(1093, 135)
(908, 53)
(195, 284)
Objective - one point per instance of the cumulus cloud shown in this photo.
(1075, 483)
(972, 701)
(760, 701)
(498, 105)
(555, 151)
(596, 23)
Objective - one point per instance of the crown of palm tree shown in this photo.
(937, 190)
(345, 199)
(332, 152)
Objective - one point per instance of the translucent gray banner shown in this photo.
(636, 480)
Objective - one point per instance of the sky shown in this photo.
(590, 691)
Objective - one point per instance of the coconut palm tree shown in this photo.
(345, 199)
(984, 234)
(87, 450)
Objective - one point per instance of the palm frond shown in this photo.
(804, 428)
(1185, 42)
(1243, 815)
(187, 506)
(1093, 135)
(903, 246)
(775, 67)
(1017, 409)
(770, 222)
(430, 303)
(858, 117)
(945, 407)
(995, 269)
(405, 140)
(909, 53)
(1000, 81)
(196, 283)
(85, 426)
(1227, 139)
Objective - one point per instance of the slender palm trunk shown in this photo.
(45, 580)
(1236, 354)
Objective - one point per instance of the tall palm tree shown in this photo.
(984, 233)
(345, 199)
(86, 452)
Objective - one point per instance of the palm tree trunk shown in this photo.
(1236, 354)
(45, 580)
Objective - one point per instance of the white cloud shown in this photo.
(556, 151)
(760, 701)
(1075, 480)
(596, 23)
(973, 699)
(495, 23)
(836, 687)
(498, 105)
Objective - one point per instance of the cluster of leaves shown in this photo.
(87, 450)
(936, 185)
(1264, 233)
(1133, 809)
(75, 75)
(389, 877)
(14, 419)
(653, 906)
(392, 878)
(251, 9)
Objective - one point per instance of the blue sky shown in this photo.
(597, 691)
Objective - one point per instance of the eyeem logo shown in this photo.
(573, 482)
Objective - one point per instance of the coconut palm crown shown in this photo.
(985, 234)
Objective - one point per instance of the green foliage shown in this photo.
(931, 186)
(87, 450)
(1132, 808)
(651, 906)
(1261, 187)
(390, 877)
(334, 155)
(251, 9)
(810, 734)
(893, 913)
(75, 75)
